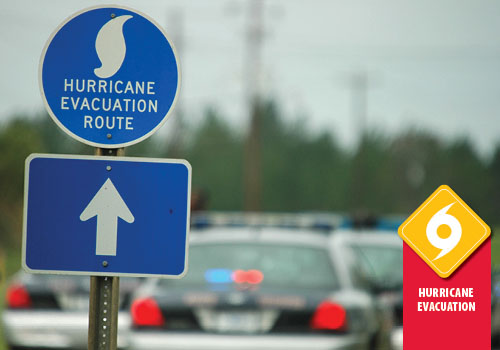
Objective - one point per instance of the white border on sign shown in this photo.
(109, 159)
(58, 122)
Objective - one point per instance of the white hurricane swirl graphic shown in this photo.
(110, 47)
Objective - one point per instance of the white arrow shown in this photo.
(108, 205)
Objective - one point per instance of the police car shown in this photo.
(260, 287)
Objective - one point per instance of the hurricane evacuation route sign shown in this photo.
(108, 216)
(109, 76)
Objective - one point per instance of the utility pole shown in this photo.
(252, 171)
(175, 26)
(359, 85)
(359, 102)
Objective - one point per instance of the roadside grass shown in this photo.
(495, 249)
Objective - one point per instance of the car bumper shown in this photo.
(397, 338)
(202, 341)
(54, 330)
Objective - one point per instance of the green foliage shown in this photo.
(467, 174)
(300, 170)
(417, 162)
(215, 154)
(492, 198)
(17, 140)
(371, 171)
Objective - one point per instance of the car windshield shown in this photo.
(271, 265)
(383, 263)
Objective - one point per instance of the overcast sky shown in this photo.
(433, 64)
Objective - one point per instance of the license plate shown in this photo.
(236, 321)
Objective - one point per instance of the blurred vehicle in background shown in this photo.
(51, 311)
(380, 254)
(495, 307)
(315, 221)
(259, 287)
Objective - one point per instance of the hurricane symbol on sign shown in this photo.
(110, 47)
(445, 244)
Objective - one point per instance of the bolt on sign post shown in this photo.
(104, 299)
(109, 77)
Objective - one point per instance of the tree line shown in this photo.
(300, 170)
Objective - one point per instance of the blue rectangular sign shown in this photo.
(106, 216)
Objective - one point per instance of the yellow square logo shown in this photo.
(444, 231)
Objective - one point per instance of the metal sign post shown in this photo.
(104, 298)
(103, 313)
(108, 216)
(109, 77)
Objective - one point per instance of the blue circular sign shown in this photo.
(109, 76)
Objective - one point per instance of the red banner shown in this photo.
(447, 313)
